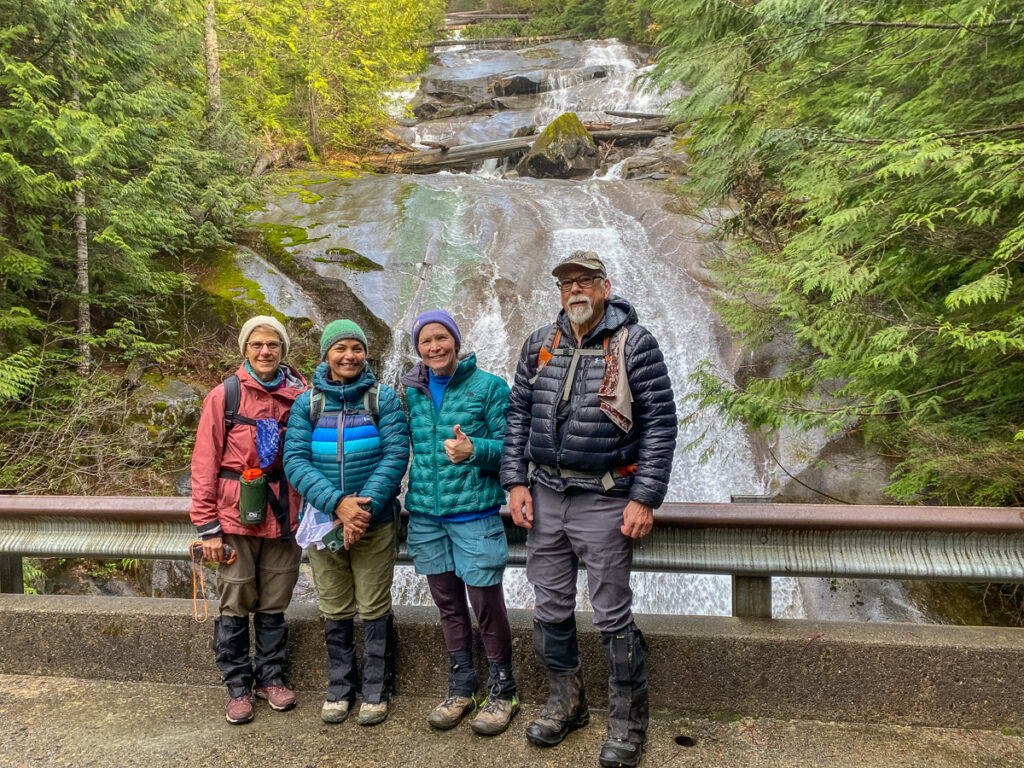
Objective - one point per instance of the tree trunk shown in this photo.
(84, 324)
(314, 126)
(212, 55)
(82, 275)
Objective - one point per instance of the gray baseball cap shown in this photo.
(584, 259)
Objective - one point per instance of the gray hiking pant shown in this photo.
(573, 527)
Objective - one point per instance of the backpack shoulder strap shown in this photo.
(232, 401)
(547, 350)
(316, 405)
(371, 402)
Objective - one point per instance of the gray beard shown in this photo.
(580, 314)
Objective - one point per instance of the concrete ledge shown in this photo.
(969, 677)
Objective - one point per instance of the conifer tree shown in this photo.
(102, 176)
(871, 153)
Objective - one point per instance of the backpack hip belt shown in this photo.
(607, 478)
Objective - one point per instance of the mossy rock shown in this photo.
(346, 257)
(564, 150)
(237, 297)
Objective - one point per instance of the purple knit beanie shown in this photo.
(435, 316)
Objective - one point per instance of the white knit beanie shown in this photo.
(271, 322)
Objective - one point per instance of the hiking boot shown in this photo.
(566, 708)
(494, 716)
(240, 709)
(616, 753)
(277, 696)
(371, 714)
(335, 711)
(450, 712)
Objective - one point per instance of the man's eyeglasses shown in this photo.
(583, 281)
(256, 346)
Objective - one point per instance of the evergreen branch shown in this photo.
(923, 25)
(941, 136)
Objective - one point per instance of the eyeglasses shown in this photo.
(256, 346)
(583, 281)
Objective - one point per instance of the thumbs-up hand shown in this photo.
(459, 449)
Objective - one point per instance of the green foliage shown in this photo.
(871, 159)
(103, 98)
(632, 20)
(320, 72)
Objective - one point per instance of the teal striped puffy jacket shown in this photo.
(374, 457)
(476, 400)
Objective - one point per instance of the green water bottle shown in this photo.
(252, 497)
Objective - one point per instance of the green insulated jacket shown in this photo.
(475, 400)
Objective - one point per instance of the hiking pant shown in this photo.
(357, 580)
(449, 593)
(262, 577)
(569, 528)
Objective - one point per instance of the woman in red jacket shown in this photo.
(241, 499)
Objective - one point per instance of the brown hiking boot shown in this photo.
(495, 715)
(279, 697)
(240, 709)
(450, 712)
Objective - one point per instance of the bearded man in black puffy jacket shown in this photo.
(590, 436)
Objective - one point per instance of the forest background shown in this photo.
(871, 154)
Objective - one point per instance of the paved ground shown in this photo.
(54, 721)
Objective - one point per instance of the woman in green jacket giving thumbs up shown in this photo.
(456, 537)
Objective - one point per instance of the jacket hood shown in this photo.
(350, 392)
(419, 376)
(617, 313)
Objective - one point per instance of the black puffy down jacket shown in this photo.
(582, 438)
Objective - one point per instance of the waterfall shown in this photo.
(483, 246)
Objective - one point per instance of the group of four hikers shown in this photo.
(582, 443)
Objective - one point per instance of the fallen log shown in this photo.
(431, 160)
(464, 155)
(469, 16)
(496, 40)
(634, 115)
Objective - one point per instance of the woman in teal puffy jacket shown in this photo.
(346, 451)
(456, 537)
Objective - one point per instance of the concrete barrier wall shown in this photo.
(885, 673)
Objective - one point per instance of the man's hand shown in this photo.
(355, 518)
(637, 520)
(520, 504)
(213, 549)
(459, 449)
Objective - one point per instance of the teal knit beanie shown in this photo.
(338, 330)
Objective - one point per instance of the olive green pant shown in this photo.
(357, 580)
(261, 578)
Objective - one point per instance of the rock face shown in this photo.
(159, 413)
(564, 150)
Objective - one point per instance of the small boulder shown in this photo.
(564, 150)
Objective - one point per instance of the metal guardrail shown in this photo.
(749, 541)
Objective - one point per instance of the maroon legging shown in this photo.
(449, 593)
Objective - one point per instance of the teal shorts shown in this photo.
(476, 549)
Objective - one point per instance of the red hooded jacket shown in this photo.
(215, 499)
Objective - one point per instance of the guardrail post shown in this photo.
(12, 575)
(751, 595)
